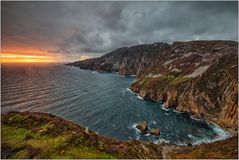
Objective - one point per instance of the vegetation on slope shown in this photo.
(226, 149)
(41, 135)
(28, 135)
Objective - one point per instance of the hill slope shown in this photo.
(26, 135)
(197, 77)
(41, 135)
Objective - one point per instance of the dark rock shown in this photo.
(143, 127)
(189, 144)
(155, 131)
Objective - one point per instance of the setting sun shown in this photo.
(17, 58)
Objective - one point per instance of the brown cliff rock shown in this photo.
(197, 77)
(155, 131)
(142, 126)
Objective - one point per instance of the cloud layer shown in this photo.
(93, 28)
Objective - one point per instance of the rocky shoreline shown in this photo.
(42, 135)
(196, 77)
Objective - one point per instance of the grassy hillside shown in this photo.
(41, 135)
(27, 135)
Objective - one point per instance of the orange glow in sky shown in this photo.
(84, 57)
(19, 58)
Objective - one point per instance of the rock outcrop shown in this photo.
(142, 126)
(197, 77)
(155, 131)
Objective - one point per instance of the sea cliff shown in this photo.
(197, 77)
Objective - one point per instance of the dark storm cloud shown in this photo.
(97, 27)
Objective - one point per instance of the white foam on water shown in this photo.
(181, 144)
(147, 134)
(119, 75)
(130, 90)
(163, 107)
(137, 131)
(160, 140)
(166, 109)
(134, 127)
(190, 136)
(139, 97)
(94, 72)
(221, 135)
(196, 119)
(153, 122)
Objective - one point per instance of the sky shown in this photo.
(71, 31)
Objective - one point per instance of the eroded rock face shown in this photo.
(212, 95)
(198, 77)
(142, 126)
(155, 131)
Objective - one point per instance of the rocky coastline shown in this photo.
(196, 77)
(28, 135)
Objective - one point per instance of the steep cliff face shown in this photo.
(126, 61)
(198, 77)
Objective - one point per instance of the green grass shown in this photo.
(167, 77)
(180, 79)
(163, 81)
(46, 146)
(12, 134)
(158, 82)
(17, 118)
(43, 136)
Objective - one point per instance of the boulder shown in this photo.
(155, 131)
(142, 126)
